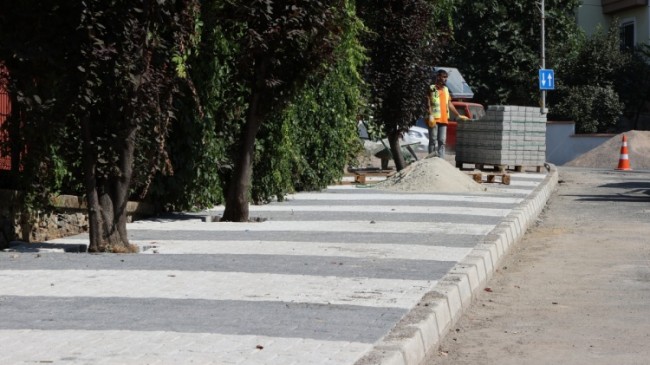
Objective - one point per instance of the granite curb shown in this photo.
(422, 329)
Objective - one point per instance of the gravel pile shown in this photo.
(431, 175)
(606, 155)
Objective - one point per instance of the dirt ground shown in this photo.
(607, 155)
(576, 290)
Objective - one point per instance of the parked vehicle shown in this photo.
(472, 111)
(418, 134)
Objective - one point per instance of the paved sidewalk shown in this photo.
(345, 276)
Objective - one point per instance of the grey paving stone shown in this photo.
(451, 240)
(271, 264)
(279, 319)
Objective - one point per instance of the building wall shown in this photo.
(590, 16)
(563, 145)
(640, 17)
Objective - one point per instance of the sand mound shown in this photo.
(606, 155)
(431, 175)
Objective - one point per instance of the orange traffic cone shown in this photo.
(624, 160)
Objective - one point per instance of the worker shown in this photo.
(439, 105)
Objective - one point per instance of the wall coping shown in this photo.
(78, 203)
(587, 135)
(560, 122)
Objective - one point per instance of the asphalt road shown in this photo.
(576, 290)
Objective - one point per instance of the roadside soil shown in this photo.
(607, 155)
(575, 290)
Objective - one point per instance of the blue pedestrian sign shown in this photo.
(546, 80)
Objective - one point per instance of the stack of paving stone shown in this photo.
(506, 136)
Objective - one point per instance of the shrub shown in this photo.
(592, 108)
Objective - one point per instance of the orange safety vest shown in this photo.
(440, 104)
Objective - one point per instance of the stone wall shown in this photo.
(8, 217)
(67, 217)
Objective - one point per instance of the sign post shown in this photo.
(542, 55)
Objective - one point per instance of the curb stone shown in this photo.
(421, 330)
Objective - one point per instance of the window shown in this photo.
(626, 35)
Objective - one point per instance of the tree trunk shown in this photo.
(239, 186)
(396, 150)
(107, 198)
(15, 139)
(238, 189)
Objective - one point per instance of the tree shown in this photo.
(106, 72)
(593, 108)
(285, 42)
(633, 84)
(28, 49)
(317, 135)
(305, 146)
(586, 92)
(128, 79)
(497, 46)
(201, 138)
(401, 55)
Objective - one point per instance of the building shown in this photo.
(633, 17)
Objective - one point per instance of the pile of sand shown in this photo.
(606, 155)
(431, 175)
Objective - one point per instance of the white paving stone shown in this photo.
(211, 285)
(478, 198)
(156, 347)
(393, 209)
(27, 346)
(524, 183)
(315, 226)
(540, 176)
(292, 248)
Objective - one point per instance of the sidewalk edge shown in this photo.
(421, 330)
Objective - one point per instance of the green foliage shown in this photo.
(97, 74)
(202, 139)
(498, 46)
(286, 43)
(272, 166)
(443, 16)
(325, 134)
(127, 59)
(586, 90)
(34, 53)
(318, 134)
(401, 46)
(593, 108)
(633, 83)
(303, 147)
(595, 61)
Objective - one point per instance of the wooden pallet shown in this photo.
(365, 177)
(490, 177)
(503, 178)
(500, 168)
